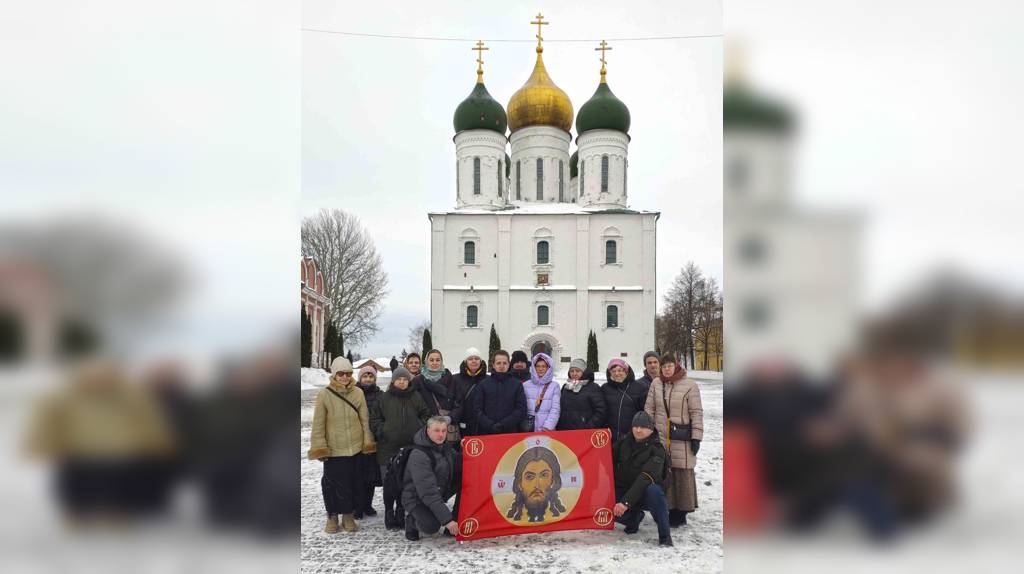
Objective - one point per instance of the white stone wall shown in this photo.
(593, 146)
(489, 147)
(551, 146)
(757, 168)
(503, 282)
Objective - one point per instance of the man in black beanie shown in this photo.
(641, 465)
(520, 366)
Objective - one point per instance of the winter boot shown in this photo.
(389, 519)
(676, 518)
(357, 514)
(665, 540)
(411, 533)
(399, 517)
(634, 526)
(332, 524)
(348, 523)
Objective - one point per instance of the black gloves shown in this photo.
(694, 446)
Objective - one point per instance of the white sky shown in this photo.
(910, 112)
(377, 119)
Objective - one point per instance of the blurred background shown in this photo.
(148, 251)
(874, 323)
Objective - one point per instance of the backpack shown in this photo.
(394, 471)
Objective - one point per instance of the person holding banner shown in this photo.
(623, 397)
(582, 404)
(428, 482)
(641, 467)
(340, 431)
(543, 399)
(674, 404)
(500, 402)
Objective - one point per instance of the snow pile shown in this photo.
(698, 546)
(313, 378)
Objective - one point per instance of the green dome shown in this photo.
(742, 108)
(574, 168)
(603, 111)
(480, 111)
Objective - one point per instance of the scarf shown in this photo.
(432, 375)
(577, 385)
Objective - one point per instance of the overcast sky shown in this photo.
(910, 113)
(377, 119)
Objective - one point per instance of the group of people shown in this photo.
(656, 423)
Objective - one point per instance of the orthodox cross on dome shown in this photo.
(604, 47)
(540, 22)
(479, 60)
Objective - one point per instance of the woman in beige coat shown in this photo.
(341, 430)
(674, 404)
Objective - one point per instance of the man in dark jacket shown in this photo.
(472, 372)
(623, 397)
(582, 403)
(640, 464)
(428, 482)
(499, 402)
(520, 366)
(652, 369)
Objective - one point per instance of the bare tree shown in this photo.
(708, 318)
(416, 338)
(353, 271)
(675, 326)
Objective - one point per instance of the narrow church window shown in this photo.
(583, 173)
(469, 253)
(613, 316)
(610, 255)
(519, 179)
(471, 316)
(561, 180)
(604, 174)
(476, 176)
(542, 252)
(499, 178)
(540, 179)
(458, 186)
(625, 168)
(543, 315)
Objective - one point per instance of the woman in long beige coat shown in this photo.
(673, 398)
(341, 430)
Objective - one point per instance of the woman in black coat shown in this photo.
(437, 386)
(583, 404)
(367, 466)
(624, 396)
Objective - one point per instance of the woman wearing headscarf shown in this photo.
(543, 399)
(674, 404)
(436, 386)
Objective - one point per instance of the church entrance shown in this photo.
(541, 346)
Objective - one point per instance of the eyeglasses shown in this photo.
(345, 373)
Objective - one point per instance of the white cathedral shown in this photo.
(542, 243)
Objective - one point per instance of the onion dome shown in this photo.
(480, 111)
(540, 102)
(574, 168)
(603, 111)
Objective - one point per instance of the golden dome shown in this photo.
(539, 102)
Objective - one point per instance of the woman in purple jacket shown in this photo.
(542, 394)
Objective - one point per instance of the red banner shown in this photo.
(536, 482)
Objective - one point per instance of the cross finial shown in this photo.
(479, 60)
(540, 22)
(604, 48)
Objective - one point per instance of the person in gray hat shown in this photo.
(583, 405)
(640, 463)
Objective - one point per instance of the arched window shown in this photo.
(625, 168)
(583, 174)
(561, 181)
(540, 179)
(499, 178)
(469, 253)
(476, 176)
(458, 184)
(604, 174)
(613, 316)
(471, 316)
(543, 313)
(610, 251)
(543, 255)
(519, 179)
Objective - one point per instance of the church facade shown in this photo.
(542, 243)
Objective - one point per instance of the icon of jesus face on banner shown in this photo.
(538, 478)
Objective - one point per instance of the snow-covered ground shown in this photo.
(698, 545)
